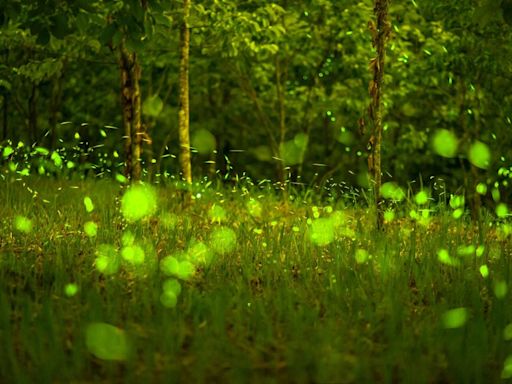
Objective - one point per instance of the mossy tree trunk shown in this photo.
(380, 30)
(184, 113)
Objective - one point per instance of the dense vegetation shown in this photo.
(255, 191)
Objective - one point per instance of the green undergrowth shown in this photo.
(237, 286)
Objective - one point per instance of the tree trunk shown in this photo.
(282, 123)
(32, 114)
(125, 63)
(134, 133)
(5, 121)
(138, 133)
(5, 104)
(184, 113)
(380, 33)
(54, 109)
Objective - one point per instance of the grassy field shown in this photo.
(97, 286)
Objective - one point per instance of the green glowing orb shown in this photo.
(507, 368)
(127, 239)
(456, 201)
(445, 143)
(23, 224)
(91, 228)
(502, 210)
(507, 332)
(107, 342)
(484, 271)
(361, 255)
(392, 191)
(121, 178)
(199, 253)
(8, 151)
(171, 266)
(107, 259)
(70, 290)
(500, 289)
(455, 318)
(169, 220)
(186, 270)
(222, 240)
(172, 285)
(168, 299)
(217, 213)
(479, 155)
(89, 206)
(389, 215)
(254, 208)
(203, 141)
(496, 195)
(466, 250)
(421, 198)
(481, 188)
(444, 257)
(133, 254)
(138, 202)
(322, 231)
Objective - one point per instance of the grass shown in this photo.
(296, 299)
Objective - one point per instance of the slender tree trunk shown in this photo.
(134, 133)
(5, 121)
(380, 33)
(125, 63)
(5, 105)
(138, 133)
(54, 109)
(282, 122)
(32, 114)
(184, 113)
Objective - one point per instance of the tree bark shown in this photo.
(380, 33)
(282, 122)
(133, 128)
(5, 121)
(184, 112)
(54, 109)
(138, 133)
(32, 114)
(125, 63)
